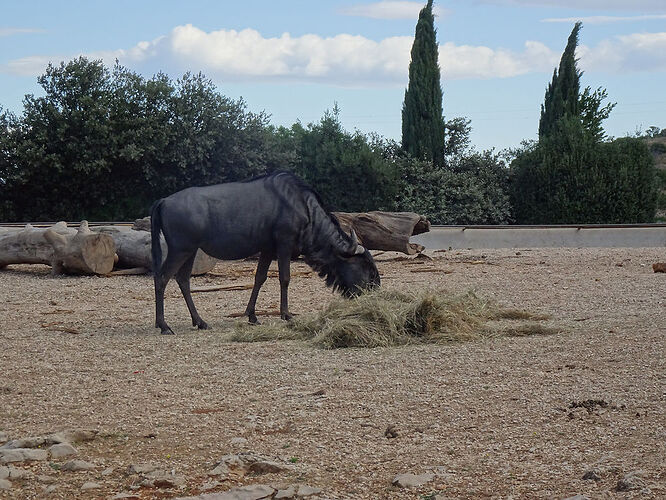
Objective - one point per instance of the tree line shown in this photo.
(104, 143)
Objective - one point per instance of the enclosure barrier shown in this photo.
(554, 236)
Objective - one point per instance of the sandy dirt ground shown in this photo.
(505, 418)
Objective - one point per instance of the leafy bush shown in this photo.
(567, 178)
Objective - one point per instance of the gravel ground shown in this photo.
(513, 417)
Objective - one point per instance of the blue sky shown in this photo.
(295, 59)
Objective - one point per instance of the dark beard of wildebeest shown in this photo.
(276, 216)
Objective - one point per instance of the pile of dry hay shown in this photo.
(388, 318)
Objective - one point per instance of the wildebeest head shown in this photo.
(350, 269)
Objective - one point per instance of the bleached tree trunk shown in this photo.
(79, 251)
(388, 231)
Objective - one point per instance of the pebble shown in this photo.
(30, 442)
(238, 441)
(141, 469)
(43, 478)
(412, 480)
(244, 463)
(9, 455)
(11, 472)
(252, 492)
(108, 471)
(631, 481)
(90, 485)
(62, 450)
(5, 484)
(73, 436)
(4, 437)
(77, 465)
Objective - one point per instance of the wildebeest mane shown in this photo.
(321, 244)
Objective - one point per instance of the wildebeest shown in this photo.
(276, 216)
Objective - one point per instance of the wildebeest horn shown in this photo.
(356, 249)
(354, 240)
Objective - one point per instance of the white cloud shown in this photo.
(388, 9)
(626, 53)
(627, 5)
(603, 19)
(18, 31)
(352, 60)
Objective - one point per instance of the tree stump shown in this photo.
(73, 251)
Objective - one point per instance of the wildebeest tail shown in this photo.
(155, 230)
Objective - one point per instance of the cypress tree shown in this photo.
(562, 95)
(422, 119)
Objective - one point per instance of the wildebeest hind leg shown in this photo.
(183, 280)
(259, 279)
(171, 264)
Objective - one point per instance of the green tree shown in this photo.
(104, 144)
(572, 175)
(347, 169)
(423, 129)
(562, 94)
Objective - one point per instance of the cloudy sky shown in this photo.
(296, 58)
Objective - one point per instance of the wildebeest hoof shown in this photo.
(253, 320)
(286, 317)
(167, 331)
(202, 325)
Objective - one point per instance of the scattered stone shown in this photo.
(163, 480)
(5, 484)
(252, 492)
(210, 485)
(77, 465)
(108, 471)
(592, 475)
(8, 455)
(73, 436)
(50, 489)
(286, 494)
(62, 450)
(30, 442)
(307, 491)
(141, 469)
(391, 432)
(659, 267)
(46, 479)
(631, 481)
(238, 441)
(90, 485)
(412, 480)
(578, 497)
(11, 472)
(245, 463)
(126, 496)
(4, 437)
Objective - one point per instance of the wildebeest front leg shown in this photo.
(259, 279)
(183, 279)
(284, 262)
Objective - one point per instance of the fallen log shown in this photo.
(79, 251)
(389, 231)
(134, 249)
